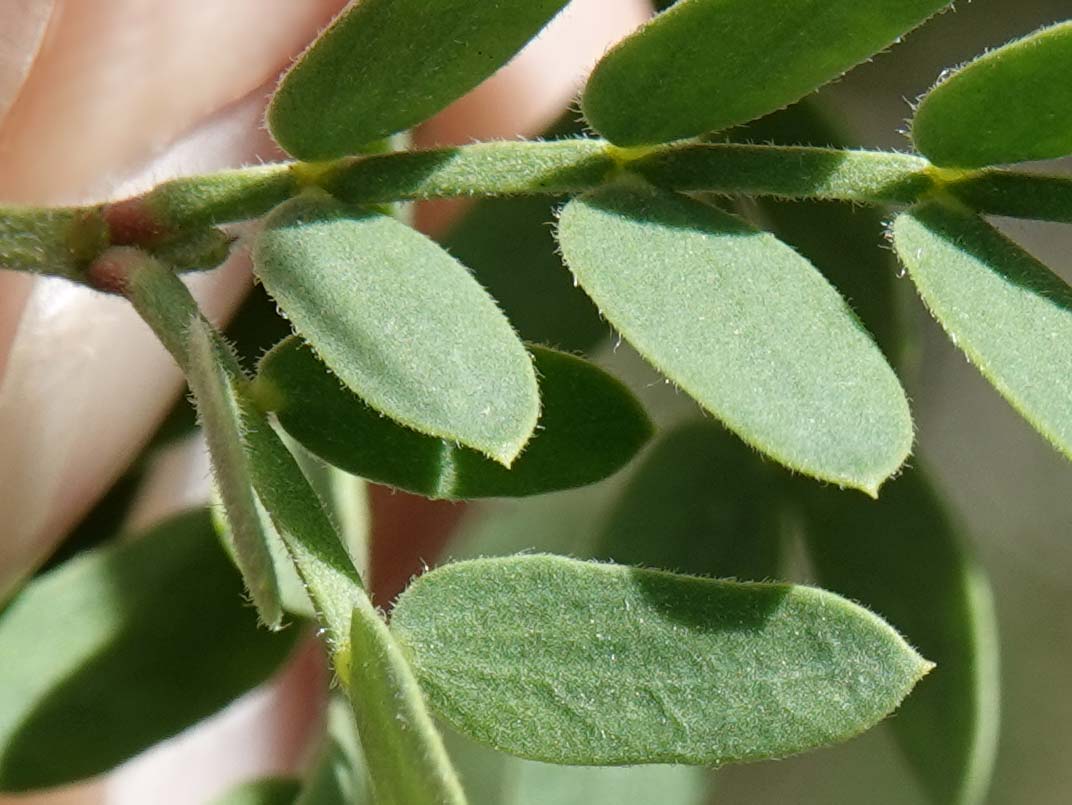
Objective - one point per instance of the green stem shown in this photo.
(405, 753)
(177, 217)
(333, 584)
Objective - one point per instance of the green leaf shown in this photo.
(590, 426)
(1012, 104)
(267, 791)
(386, 65)
(1010, 314)
(702, 503)
(221, 419)
(746, 326)
(406, 759)
(401, 323)
(901, 556)
(583, 663)
(122, 647)
(695, 67)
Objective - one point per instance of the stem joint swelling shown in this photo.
(178, 221)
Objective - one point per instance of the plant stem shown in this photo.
(331, 580)
(178, 216)
(405, 752)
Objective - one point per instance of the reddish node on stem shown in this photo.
(110, 272)
(132, 222)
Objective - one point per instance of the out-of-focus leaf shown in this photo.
(900, 556)
(702, 502)
(386, 65)
(589, 427)
(267, 791)
(406, 760)
(493, 778)
(585, 663)
(547, 784)
(401, 323)
(694, 68)
(509, 244)
(1012, 104)
(1010, 314)
(122, 647)
(339, 776)
(746, 326)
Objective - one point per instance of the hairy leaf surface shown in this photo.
(122, 647)
(1008, 312)
(705, 65)
(583, 663)
(901, 557)
(386, 65)
(590, 426)
(746, 326)
(1012, 104)
(401, 323)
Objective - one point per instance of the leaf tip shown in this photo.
(871, 488)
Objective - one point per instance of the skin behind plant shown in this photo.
(557, 659)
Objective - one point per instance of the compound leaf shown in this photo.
(1008, 312)
(401, 323)
(122, 647)
(590, 426)
(582, 663)
(901, 556)
(695, 69)
(386, 65)
(1010, 105)
(746, 326)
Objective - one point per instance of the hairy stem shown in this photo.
(177, 219)
(331, 580)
